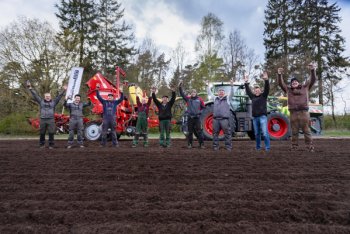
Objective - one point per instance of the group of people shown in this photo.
(297, 93)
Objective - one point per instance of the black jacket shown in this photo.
(164, 111)
(258, 102)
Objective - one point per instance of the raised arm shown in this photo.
(121, 98)
(86, 104)
(267, 84)
(138, 103)
(149, 101)
(36, 97)
(247, 88)
(312, 80)
(99, 96)
(173, 96)
(182, 92)
(154, 97)
(280, 80)
(60, 95)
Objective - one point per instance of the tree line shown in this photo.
(93, 34)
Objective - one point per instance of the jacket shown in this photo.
(76, 110)
(195, 105)
(109, 107)
(258, 102)
(164, 111)
(47, 108)
(298, 98)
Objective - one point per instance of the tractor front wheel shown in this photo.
(278, 126)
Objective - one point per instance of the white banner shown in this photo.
(74, 82)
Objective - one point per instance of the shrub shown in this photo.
(16, 124)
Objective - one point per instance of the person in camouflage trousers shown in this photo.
(142, 123)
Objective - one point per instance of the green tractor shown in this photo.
(241, 110)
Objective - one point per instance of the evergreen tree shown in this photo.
(114, 37)
(77, 19)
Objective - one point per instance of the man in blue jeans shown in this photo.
(259, 110)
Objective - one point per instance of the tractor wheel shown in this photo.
(92, 131)
(207, 124)
(278, 126)
(316, 125)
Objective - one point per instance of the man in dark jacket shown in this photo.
(164, 116)
(195, 104)
(298, 106)
(142, 123)
(76, 122)
(47, 114)
(109, 116)
(221, 117)
(259, 111)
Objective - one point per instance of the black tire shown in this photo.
(278, 126)
(207, 123)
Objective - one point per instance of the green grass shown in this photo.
(336, 133)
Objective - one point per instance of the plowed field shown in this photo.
(174, 190)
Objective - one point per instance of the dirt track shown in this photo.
(174, 190)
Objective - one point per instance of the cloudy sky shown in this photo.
(169, 21)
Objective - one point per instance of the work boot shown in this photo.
(81, 146)
(69, 146)
(133, 145)
(293, 148)
(189, 146)
(201, 146)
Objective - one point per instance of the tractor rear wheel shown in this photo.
(278, 126)
(207, 123)
(92, 131)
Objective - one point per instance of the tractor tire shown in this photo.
(278, 126)
(207, 124)
(92, 131)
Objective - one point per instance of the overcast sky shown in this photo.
(169, 21)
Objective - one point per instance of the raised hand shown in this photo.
(180, 84)
(153, 89)
(65, 87)
(280, 71)
(312, 66)
(246, 78)
(265, 76)
(28, 84)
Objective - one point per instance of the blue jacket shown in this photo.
(109, 107)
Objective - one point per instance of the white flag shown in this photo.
(74, 83)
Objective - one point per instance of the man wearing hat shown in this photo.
(259, 110)
(109, 116)
(298, 106)
(76, 119)
(195, 104)
(164, 116)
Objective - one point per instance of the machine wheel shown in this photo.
(207, 123)
(92, 131)
(278, 126)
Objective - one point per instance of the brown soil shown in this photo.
(175, 190)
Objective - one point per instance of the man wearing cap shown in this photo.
(109, 116)
(221, 117)
(142, 123)
(76, 122)
(195, 104)
(259, 110)
(47, 114)
(164, 116)
(298, 106)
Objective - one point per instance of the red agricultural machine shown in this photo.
(126, 115)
